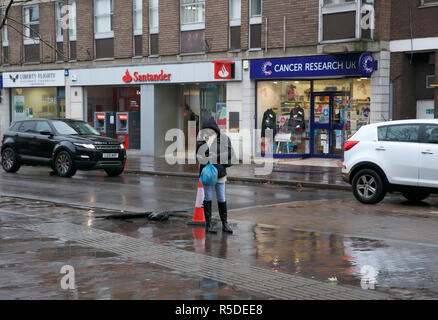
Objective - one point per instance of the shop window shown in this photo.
(35, 103)
(256, 36)
(283, 109)
(192, 41)
(104, 48)
(153, 46)
(235, 38)
(32, 53)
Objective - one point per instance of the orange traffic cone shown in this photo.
(198, 215)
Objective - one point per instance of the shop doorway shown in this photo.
(328, 110)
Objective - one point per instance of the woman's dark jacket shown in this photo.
(222, 160)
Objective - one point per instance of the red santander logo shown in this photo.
(127, 78)
(147, 77)
(223, 70)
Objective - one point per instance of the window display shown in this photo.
(284, 108)
(33, 103)
(311, 117)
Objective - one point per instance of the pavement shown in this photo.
(317, 173)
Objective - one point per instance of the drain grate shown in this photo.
(239, 274)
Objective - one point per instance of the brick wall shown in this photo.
(145, 28)
(15, 38)
(301, 23)
(169, 26)
(402, 77)
(123, 29)
(382, 20)
(84, 30)
(424, 20)
(244, 29)
(216, 24)
(47, 31)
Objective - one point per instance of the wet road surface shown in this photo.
(311, 234)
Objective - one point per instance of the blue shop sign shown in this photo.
(355, 64)
(1, 81)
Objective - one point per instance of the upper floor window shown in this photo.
(72, 20)
(31, 22)
(346, 20)
(192, 12)
(235, 10)
(153, 16)
(59, 22)
(103, 16)
(256, 8)
(5, 28)
(429, 2)
(138, 15)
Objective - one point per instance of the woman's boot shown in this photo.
(223, 214)
(207, 214)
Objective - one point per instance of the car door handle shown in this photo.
(427, 152)
(381, 149)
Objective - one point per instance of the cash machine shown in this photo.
(104, 123)
(128, 129)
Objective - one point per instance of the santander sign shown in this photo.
(148, 77)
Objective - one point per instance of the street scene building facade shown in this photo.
(312, 72)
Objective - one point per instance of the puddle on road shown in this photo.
(405, 271)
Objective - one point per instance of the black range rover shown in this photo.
(65, 145)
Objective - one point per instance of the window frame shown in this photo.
(72, 21)
(27, 40)
(354, 6)
(427, 5)
(5, 43)
(106, 34)
(256, 19)
(135, 10)
(235, 22)
(192, 26)
(58, 21)
(154, 29)
(420, 137)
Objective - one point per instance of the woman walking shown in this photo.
(215, 148)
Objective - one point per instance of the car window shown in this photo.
(27, 127)
(14, 127)
(432, 134)
(399, 133)
(63, 128)
(43, 126)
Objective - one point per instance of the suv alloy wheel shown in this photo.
(368, 187)
(64, 166)
(10, 162)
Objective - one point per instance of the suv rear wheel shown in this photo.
(64, 165)
(416, 196)
(368, 187)
(10, 162)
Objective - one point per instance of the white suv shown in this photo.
(393, 156)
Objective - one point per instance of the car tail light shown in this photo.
(350, 144)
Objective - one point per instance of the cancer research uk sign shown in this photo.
(46, 78)
(356, 64)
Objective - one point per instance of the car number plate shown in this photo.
(110, 155)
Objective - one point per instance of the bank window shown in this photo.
(103, 23)
(192, 14)
(399, 133)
